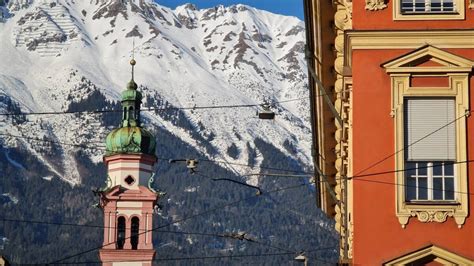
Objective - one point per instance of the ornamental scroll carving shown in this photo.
(432, 216)
(374, 5)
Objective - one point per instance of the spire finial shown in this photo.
(133, 62)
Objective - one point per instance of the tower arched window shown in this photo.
(120, 232)
(137, 112)
(134, 232)
(131, 114)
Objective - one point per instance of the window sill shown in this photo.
(438, 15)
(429, 13)
(433, 202)
(429, 16)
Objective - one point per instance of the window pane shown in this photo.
(449, 186)
(420, 7)
(410, 169)
(407, 5)
(411, 188)
(437, 169)
(435, 5)
(437, 188)
(448, 6)
(422, 169)
(448, 169)
(422, 189)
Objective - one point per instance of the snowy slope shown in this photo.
(57, 52)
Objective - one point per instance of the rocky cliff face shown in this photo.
(64, 51)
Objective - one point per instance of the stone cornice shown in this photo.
(372, 40)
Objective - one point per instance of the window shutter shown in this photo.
(423, 117)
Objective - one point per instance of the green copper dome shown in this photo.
(130, 140)
(130, 137)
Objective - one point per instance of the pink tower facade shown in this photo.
(128, 200)
(128, 211)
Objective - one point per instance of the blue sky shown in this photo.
(285, 7)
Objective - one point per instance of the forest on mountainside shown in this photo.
(287, 219)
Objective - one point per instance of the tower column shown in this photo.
(112, 228)
(143, 231)
(128, 226)
(149, 225)
(107, 227)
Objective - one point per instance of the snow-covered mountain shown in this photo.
(63, 55)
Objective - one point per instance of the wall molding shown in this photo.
(382, 40)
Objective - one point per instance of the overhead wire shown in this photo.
(227, 235)
(104, 111)
(358, 177)
(413, 143)
(149, 109)
(179, 221)
(359, 174)
(97, 226)
(185, 258)
(102, 147)
(251, 166)
(259, 190)
(222, 235)
(354, 177)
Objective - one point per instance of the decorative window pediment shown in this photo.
(428, 255)
(424, 77)
(429, 59)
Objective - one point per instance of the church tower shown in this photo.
(128, 200)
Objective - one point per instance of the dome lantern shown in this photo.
(130, 137)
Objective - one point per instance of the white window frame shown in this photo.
(429, 187)
(457, 14)
(427, 6)
(456, 69)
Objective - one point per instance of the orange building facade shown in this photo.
(393, 138)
